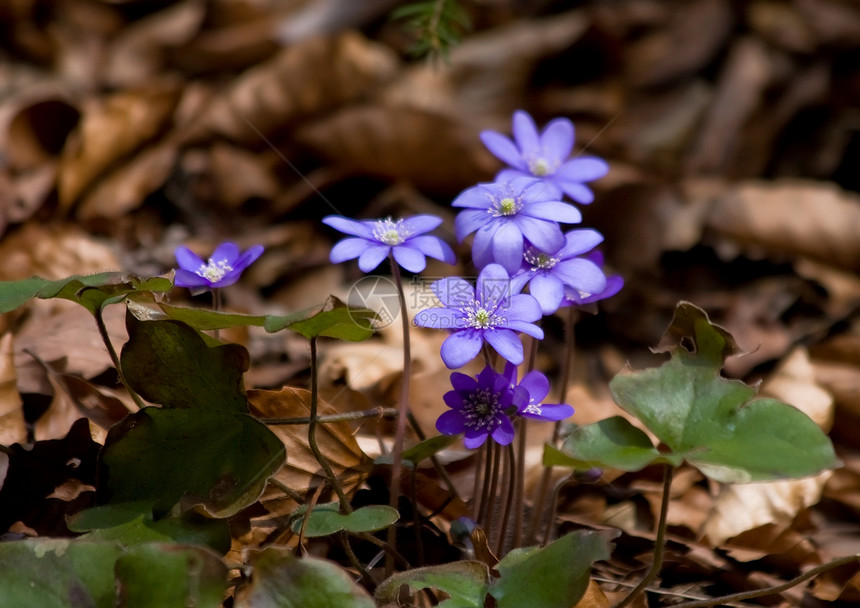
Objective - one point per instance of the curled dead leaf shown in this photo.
(13, 428)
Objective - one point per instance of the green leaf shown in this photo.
(53, 573)
(156, 575)
(203, 320)
(133, 524)
(428, 448)
(335, 320)
(613, 442)
(220, 460)
(91, 291)
(466, 582)
(281, 580)
(554, 576)
(168, 362)
(325, 520)
(715, 423)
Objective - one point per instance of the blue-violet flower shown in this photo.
(548, 274)
(504, 213)
(478, 408)
(486, 314)
(536, 387)
(545, 156)
(375, 239)
(223, 268)
(587, 300)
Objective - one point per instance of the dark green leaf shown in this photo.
(466, 583)
(554, 576)
(281, 580)
(613, 442)
(168, 362)
(217, 459)
(335, 320)
(325, 520)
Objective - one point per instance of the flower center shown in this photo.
(506, 206)
(390, 232)
(214, 271)
(481, 409)
(533, 408)
(541, 166)
(539, 260)
(479, 316)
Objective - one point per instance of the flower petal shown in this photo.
(529, 329)
(419, 224)
(461, 347)
(372, 257)
(476, 197)
(536, 384)
(554, 211)
(440, 318)
(187, 259)
(470, 220)
(463, 382)
(475, 438)
(349, 226)
(348, 249)
(248, 257)
(577, 242)
(503, 148)
(508, 247)
(482, 246)
(434, 247)
(410, 259)
(581, 194)
(504, 433)
(506, 343)
(581, 274)
(494, 285)
(451, 423)
(526, 134)
(453, 399)
(520, 280)
(549, 412)
(454, 292)
(521, 307)
(509, 175)
(556, 141)
(548, 291)
(543, 234)
(227, 252)
(582, 169)
(186, 278)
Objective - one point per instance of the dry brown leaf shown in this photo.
(13, 428)
(310, 78)
(238, 175)
(594, 597)
(700, 28)
(112, 128)
(791, 217)
(743, 507)
(434, 152)
(140, 51)
(127, 187)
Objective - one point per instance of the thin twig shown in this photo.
(659, 542)
(103, 332)
(746, 595)
(377, 412)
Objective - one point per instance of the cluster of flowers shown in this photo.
(518, 244)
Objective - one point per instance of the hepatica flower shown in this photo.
(503, 214)
(586, 300)
(549, 274)
(478, 408)
(488, 314)
(223, 268)
(536, 387)
(545, 156)
(373, 240)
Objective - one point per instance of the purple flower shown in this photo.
(375, 239)
(478, 408)
(489, 314)
(549, 274)
(545, 156)
(223, 268)
(586, 300)
(536, 387)
(504, 213)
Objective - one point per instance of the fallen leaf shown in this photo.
(13, 428)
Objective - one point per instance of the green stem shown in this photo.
(519, 490)
(216, 306)
(659, 542)
(746, 595)
(400, 432)
(103, 332)
(312, 430)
